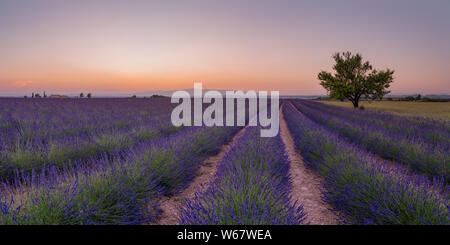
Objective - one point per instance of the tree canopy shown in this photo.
(355, 79)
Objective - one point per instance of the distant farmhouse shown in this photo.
(57, 96)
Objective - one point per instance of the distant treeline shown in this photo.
(418, 98)
(82, 95)
(153, 96)
(158, 96)
(56, 96)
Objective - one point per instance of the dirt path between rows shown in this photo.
(207, 171)
(305, 183)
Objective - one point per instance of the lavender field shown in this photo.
(120, 161)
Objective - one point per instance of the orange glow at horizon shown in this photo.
(131, 47)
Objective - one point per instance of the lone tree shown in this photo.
(89, 95)
(81, 95)
(354, 79)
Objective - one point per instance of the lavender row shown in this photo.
(57, 147)
(252, 187)
(433, 161)
(138, 119)
(362, 189)
(27, 160)
(43, 121)
(426, 130)
(111, 191)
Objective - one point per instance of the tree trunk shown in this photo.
(355, 103)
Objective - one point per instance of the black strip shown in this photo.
(151, 234)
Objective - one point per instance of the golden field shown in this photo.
(436, 110)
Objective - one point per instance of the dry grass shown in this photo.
(436, 110)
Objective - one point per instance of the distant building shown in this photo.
(57, 96)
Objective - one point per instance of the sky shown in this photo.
(136, 46)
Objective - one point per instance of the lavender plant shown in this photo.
(430, 131)
(413, 151)
(362, 189)
(252, 187)
(34, 137)
(121, 188)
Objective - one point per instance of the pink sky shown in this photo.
(133, 46)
